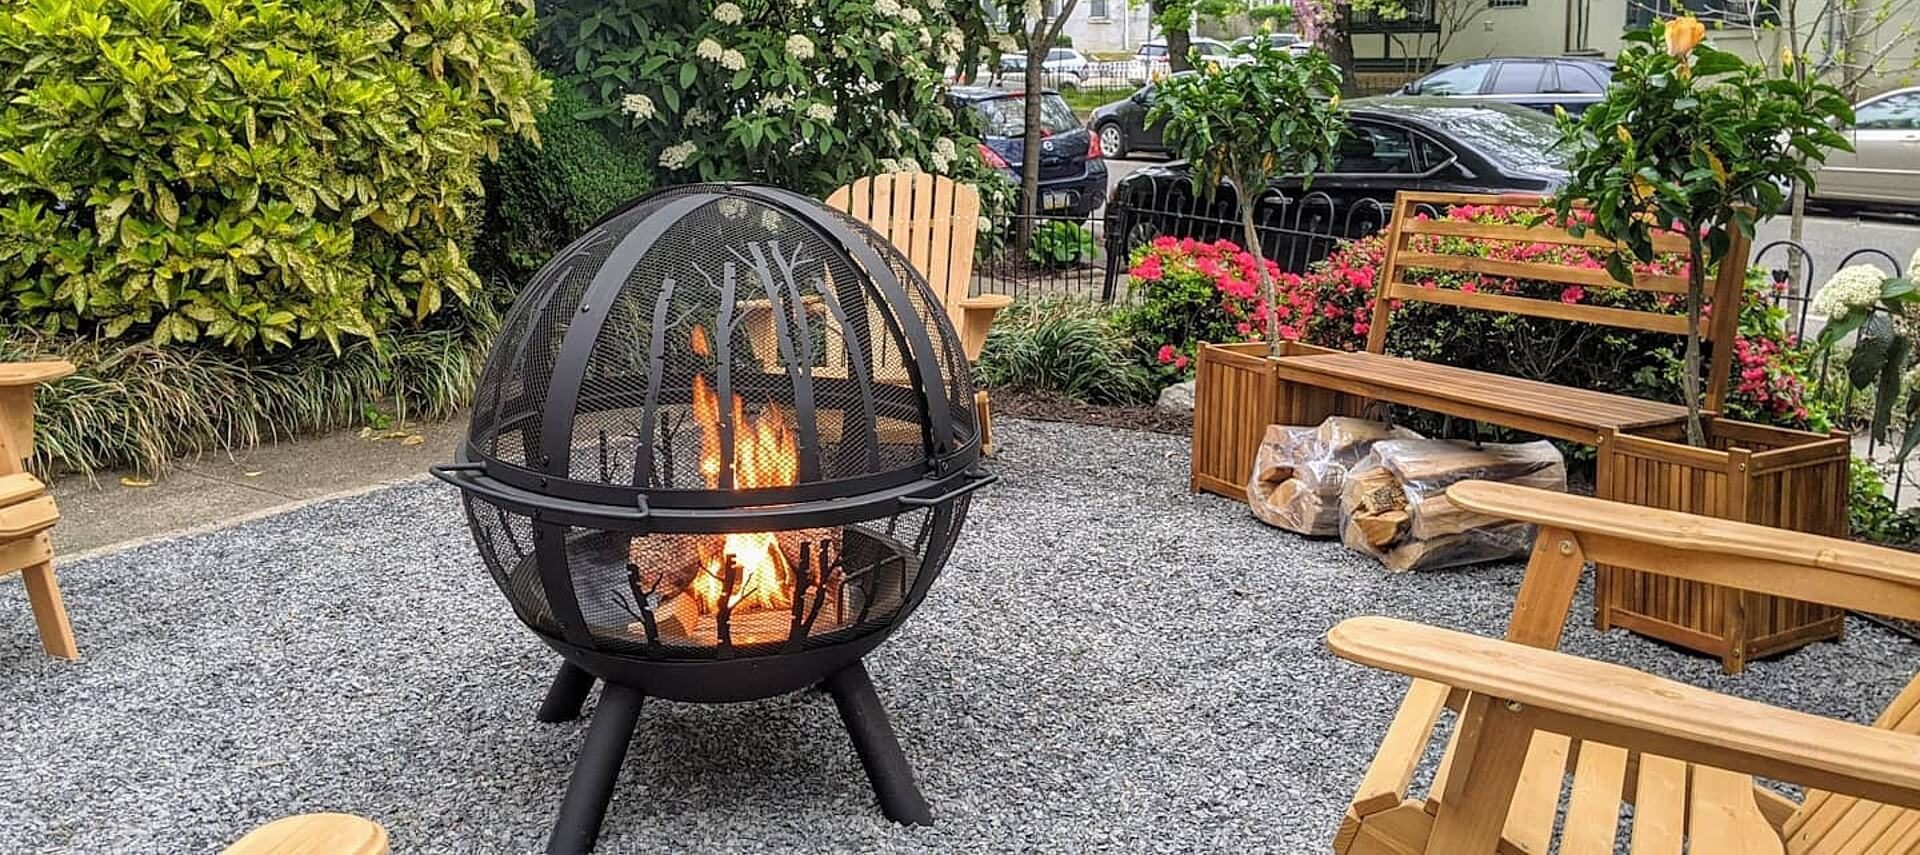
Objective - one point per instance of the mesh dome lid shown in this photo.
(719, 346)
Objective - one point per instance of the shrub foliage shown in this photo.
(1065, 348)
(249, 172)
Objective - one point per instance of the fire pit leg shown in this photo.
(595, 771)
(564, 697)
(879, 751)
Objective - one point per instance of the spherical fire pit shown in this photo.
(722, 447)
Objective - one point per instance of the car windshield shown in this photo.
(1006, 117)
(1519, 139)
(1153, 50)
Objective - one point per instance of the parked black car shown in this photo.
(1073, 170)
(1122, 125)
(1541, 83)
(1392, 144)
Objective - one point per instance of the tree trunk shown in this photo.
(1179, 42)
(1338, 43)
(1696, 289)
(1251, 236)
(1030, 141)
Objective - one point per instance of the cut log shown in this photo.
(1381, 529)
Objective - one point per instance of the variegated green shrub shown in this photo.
(249, 172)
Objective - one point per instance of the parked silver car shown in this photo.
(1883, 170)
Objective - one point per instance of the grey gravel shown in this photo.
(1109, 664)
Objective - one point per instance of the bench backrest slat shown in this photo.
(1402, 257)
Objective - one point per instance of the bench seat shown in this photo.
(1576, 415)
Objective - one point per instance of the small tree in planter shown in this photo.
(1276, 115)
(1692, 138)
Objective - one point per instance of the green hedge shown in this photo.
(249, 172)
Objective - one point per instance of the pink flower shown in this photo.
(1180, 362)
(1148, 269)
(1166, 354)
(1572, 294)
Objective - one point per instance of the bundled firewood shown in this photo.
(1299, 471)
(1394, 505)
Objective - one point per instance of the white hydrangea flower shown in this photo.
(1033, 10)
(885, 41)
(676, 156)
(908, 164)
(696, 117)
(727, 13)
(939, 162)
(709, 50)
(1006, 44)
(954, 39)
(1913, 264)
(799, 47)
(926, 38)
(840, 52)
(820, 112)
(774, 102)
(985, 224)
(944, 147)
(637, 105)
(888, 164)
(1851, 288)
(910, 15)
(889, 8)
(937, 5)
(733, 60)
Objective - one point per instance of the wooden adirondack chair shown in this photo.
(26, 511)
(1530, 718)
(314, 834)
(934, 221)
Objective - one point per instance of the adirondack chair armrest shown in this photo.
(977, 315)
(1631, 709)
(1827, 570)
(33, 373)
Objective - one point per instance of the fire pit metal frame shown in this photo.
(566, 514)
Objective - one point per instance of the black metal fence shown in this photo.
(1065, 257)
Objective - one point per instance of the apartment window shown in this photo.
(1097, 10)
(1738, 12)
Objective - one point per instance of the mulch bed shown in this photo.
(1051, 408)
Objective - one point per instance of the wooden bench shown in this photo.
(1575, 415)
(1685, 758)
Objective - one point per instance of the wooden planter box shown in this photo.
(1751, 473)
(1235, 396)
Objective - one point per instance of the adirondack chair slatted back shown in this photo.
(1833, 823)
(933, 220)
(1405, 259)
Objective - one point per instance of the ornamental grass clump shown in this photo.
(1697, 140)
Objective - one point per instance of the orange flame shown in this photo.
(765, 454)
(700, 346)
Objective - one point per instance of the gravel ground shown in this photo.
(1109, 664)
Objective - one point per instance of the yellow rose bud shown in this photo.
(1684, 34)
(1786, 58)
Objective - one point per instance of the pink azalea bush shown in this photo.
(1198, 291)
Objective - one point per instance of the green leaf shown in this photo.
(1871, 351)
(1889, 387)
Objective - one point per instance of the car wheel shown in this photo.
(1113, 140)
(1140, 234)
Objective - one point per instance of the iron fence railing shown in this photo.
(1065, 258)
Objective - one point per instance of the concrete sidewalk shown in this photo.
(219, 487)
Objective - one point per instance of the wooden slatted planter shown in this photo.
(1236, 394)
(1751, 473)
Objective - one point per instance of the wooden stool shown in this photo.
(27, 513)
(314, 834)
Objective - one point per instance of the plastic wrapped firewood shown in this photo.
(1394, 506)
(1299, 472)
